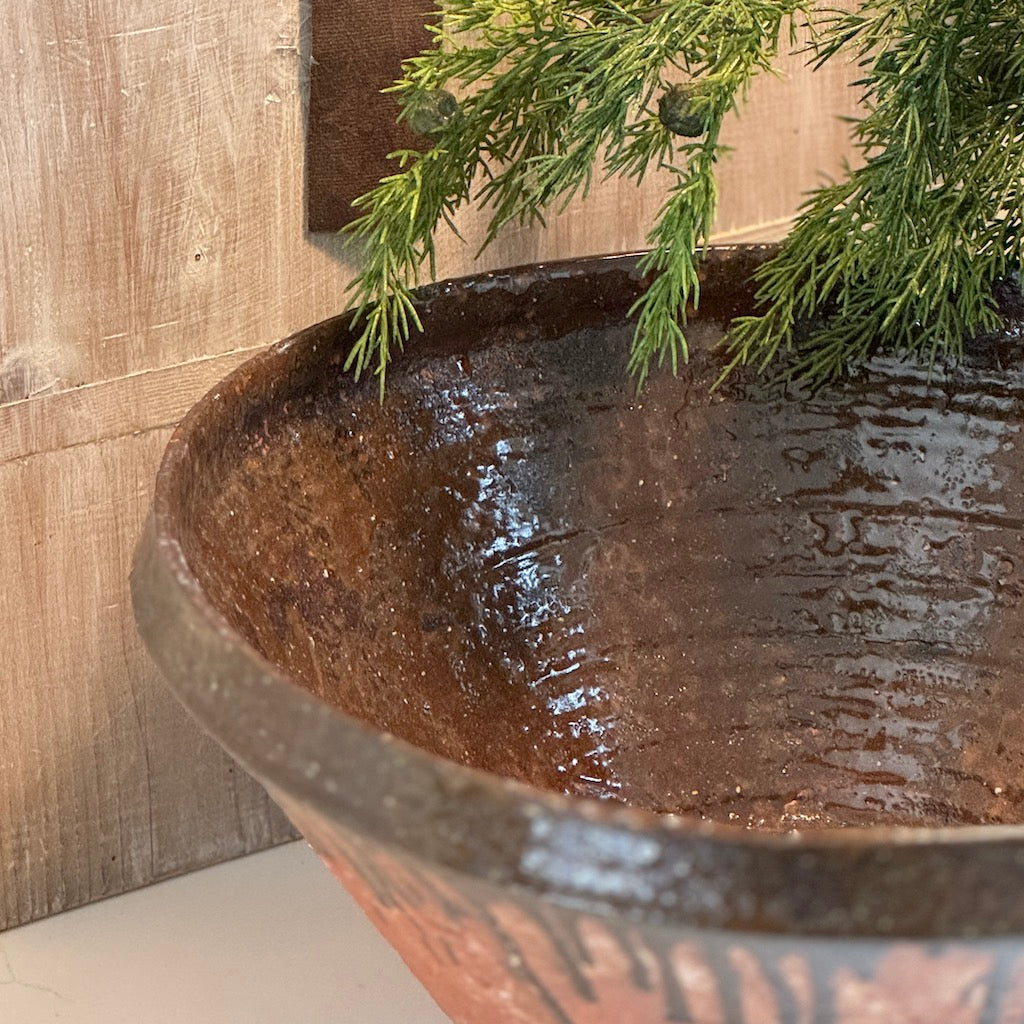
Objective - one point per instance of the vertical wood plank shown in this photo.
(151, 200)
(105, 784)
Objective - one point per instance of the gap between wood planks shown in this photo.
(160, 397)
(110, 409)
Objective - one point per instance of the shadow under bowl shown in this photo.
(680, 706)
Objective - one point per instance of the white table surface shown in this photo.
(267, 939)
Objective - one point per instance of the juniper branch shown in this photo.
(555, 93)
(904, 255)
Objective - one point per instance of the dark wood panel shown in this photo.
(358, 49)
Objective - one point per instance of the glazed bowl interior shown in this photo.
(750, 606)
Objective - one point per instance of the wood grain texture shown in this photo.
(151, 198)
(152, 233)
(106, 784)
(110, 409)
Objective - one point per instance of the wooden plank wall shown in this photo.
(151, 235)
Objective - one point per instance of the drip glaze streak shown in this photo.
(784, 614)
(559, 966)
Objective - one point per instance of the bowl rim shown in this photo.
(664, 870)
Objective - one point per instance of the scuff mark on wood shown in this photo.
(23, 376)
(140, 31)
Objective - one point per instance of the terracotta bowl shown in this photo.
(686, 706)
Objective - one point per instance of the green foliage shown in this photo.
(904, 251)
(904, 254)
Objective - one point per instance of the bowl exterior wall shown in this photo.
(491, 955)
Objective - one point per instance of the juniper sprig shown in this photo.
(901, 255)
(553, 93)
(904, 255)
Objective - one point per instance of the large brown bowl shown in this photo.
(614, 709)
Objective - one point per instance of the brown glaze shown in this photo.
(498, 627)
(782, 611)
